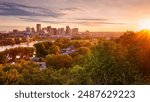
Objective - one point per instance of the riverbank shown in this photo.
(25, 44)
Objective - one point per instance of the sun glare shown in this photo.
(144, 24)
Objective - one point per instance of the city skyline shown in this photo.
(48, 30)
(93, 15)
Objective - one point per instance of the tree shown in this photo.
(1, 75)
(55, 77)
(76, 43)
(79, 76)
(10, 55)
(108, 64)
(81, 43)
(58, 61)
(83, 50)
(11, 77)
(62, 42)
(54, 49)
(137, 45)
(45, 48)
(40, 50)
(2, 58)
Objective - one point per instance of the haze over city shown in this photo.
(94, 15)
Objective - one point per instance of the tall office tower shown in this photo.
(28, 29)
(15, 31)
(53, 31)
(62, 31)
(32, 30)
(44, 29)
(27, 32)
(38, 27)
(75, 31)
(68, 30)
(59, 31)
(48, 29)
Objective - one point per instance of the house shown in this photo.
(68, 50)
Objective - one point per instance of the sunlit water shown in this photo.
(30, 44)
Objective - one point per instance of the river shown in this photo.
(27, 44)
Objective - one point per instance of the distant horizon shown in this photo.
(22, 28)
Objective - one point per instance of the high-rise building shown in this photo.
(68, 30)
(53, 31)
(75, 31)
(59, 31)
(15, 31)
(62, 31)
(44, 31)
(48, 29)
(28, 29)
(38, 27)
(32, 30)
(27, 33)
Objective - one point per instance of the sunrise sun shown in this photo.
(144, 24)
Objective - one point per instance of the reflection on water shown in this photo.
(27, 44)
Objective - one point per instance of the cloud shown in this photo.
(41, 21)
(99, 23)
(91, 19)
(14, 9)
(70, 9)
(84, 23)
(96, 21)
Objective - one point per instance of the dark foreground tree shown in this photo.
(108, 64)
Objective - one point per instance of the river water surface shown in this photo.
(27, 44)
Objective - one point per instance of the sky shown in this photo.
(92, 15)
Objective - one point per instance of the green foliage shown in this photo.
(110, 62)
(54, 49)
(2, 58)
(11, 54)
(106, 65)
(19, 73)
(58, 61)
(7, 42)
(80, 43)
(83, 50)
(55, 77)
(137, 45)
(62, 42)
(40, 50)
(11, 76)
(76, 43)
(1, 74)
(79, 76)
(45, 48)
